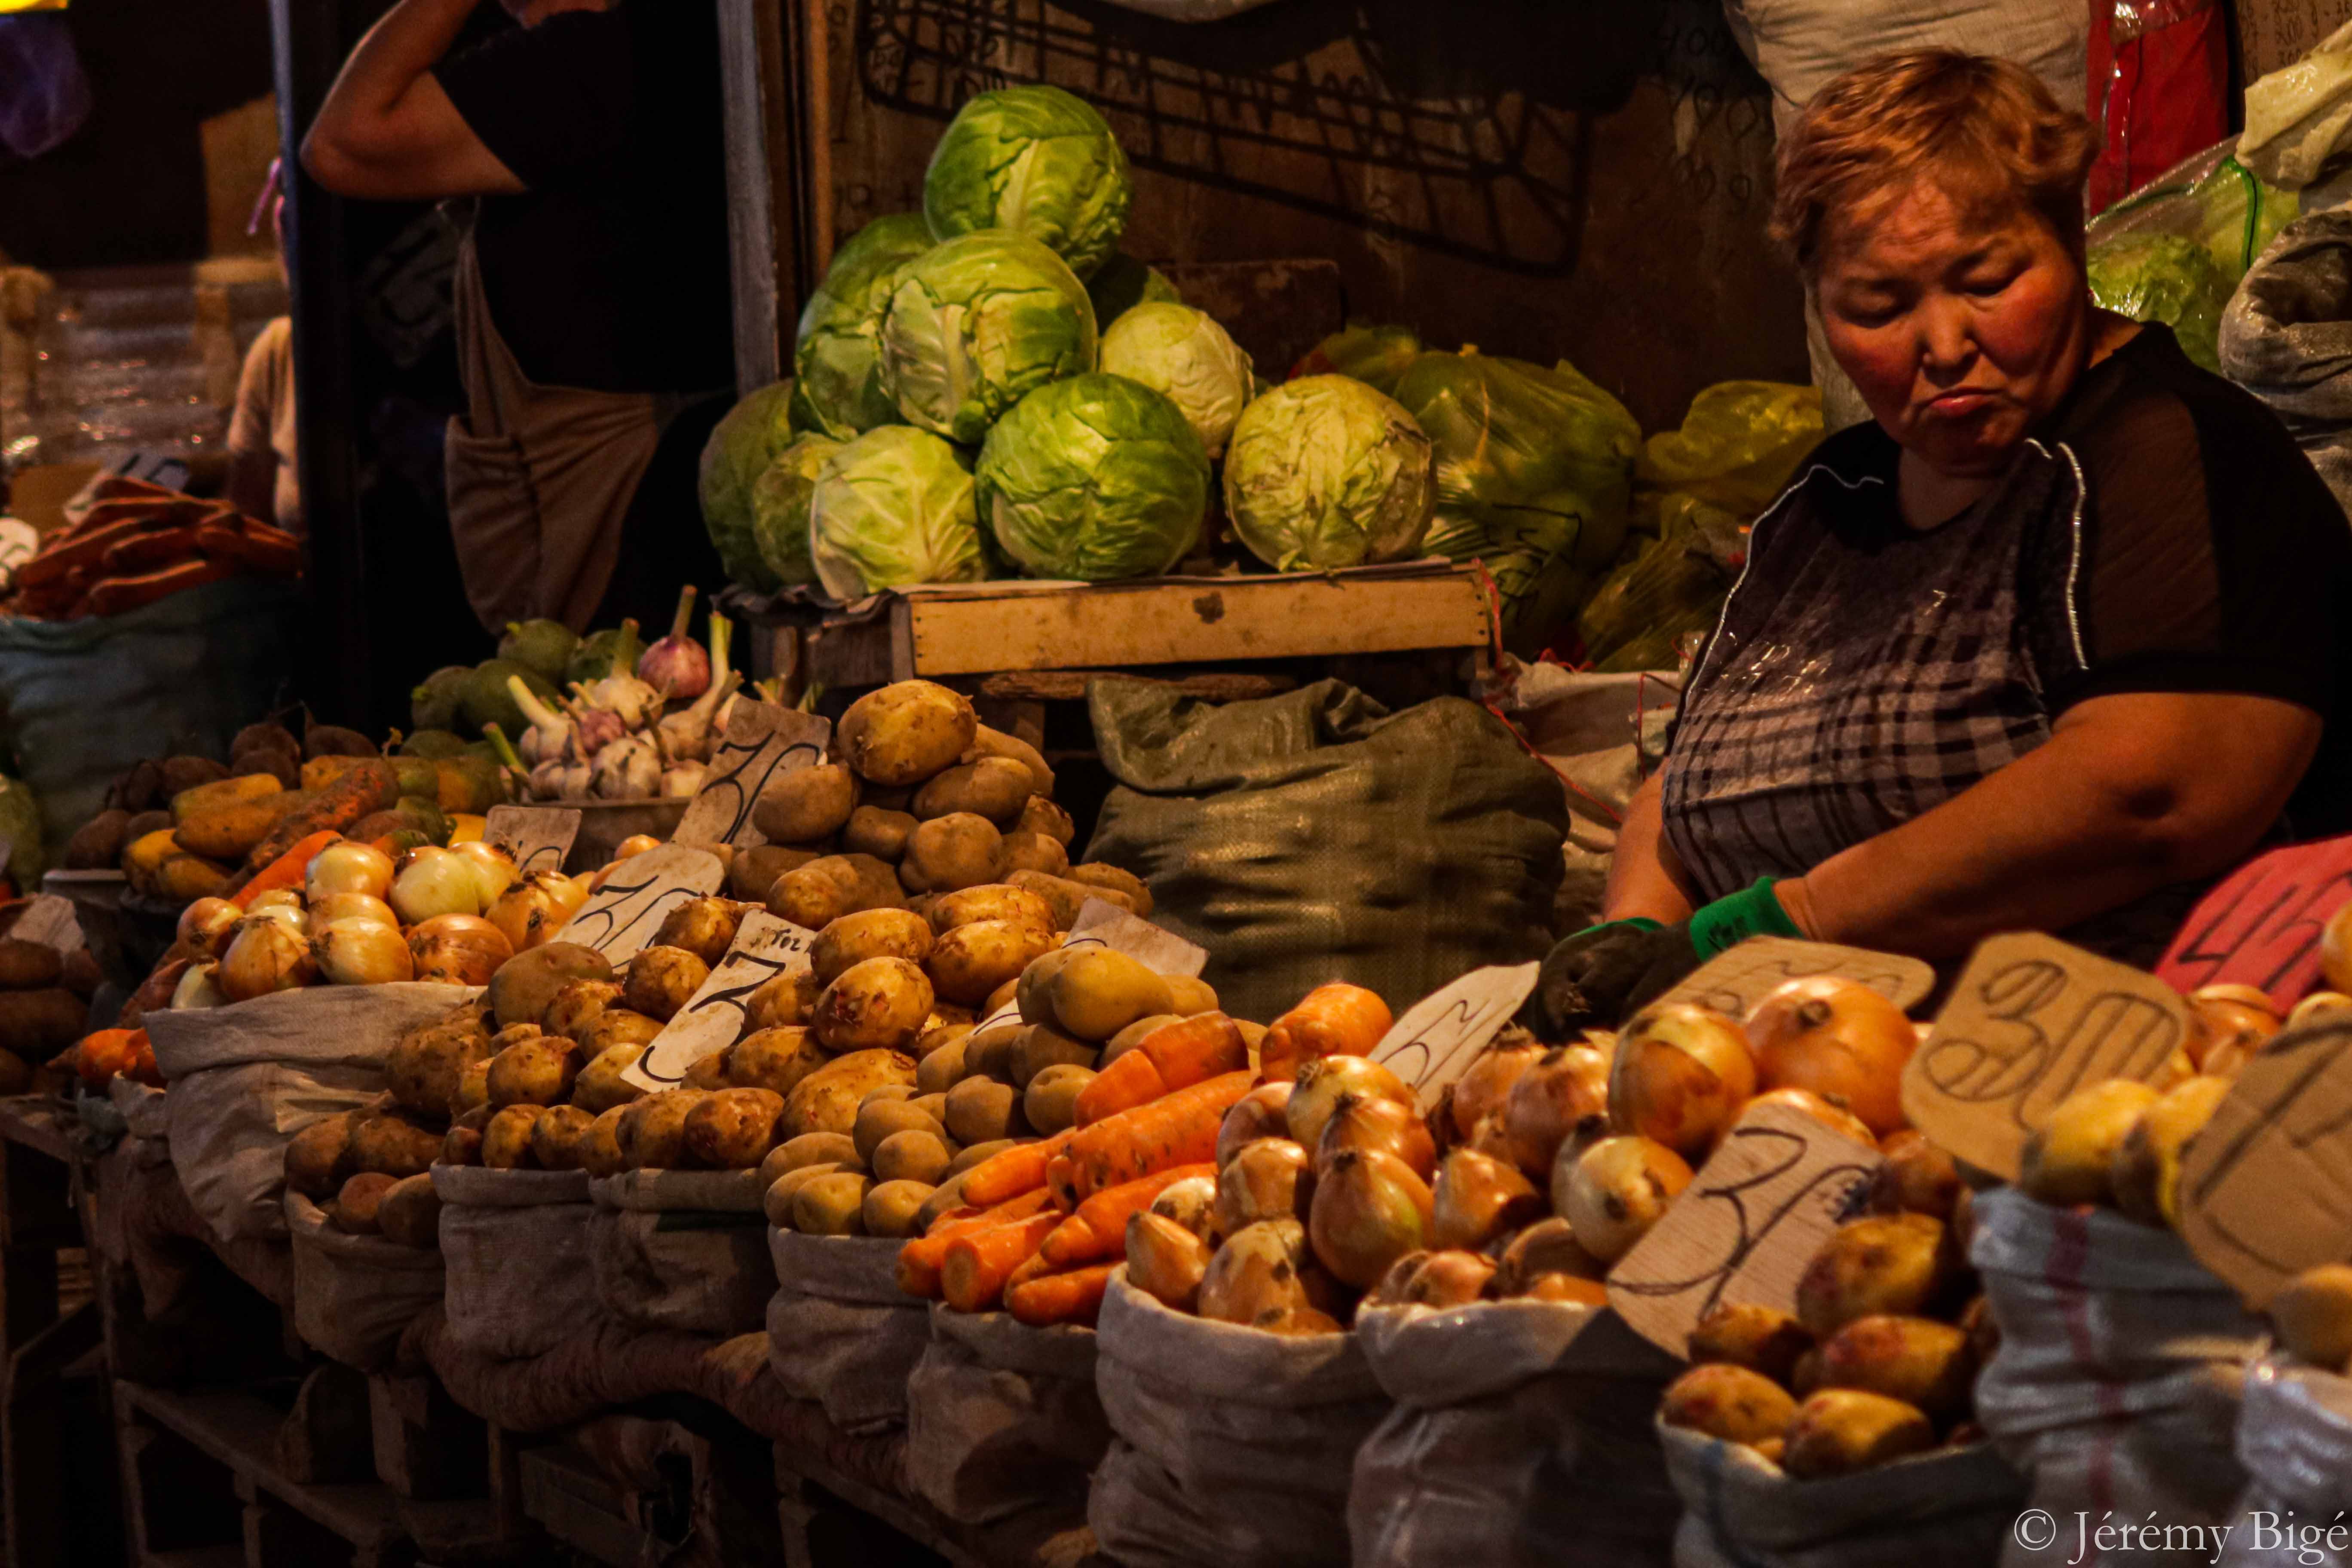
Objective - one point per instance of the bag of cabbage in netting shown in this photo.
(2174, 251)
(1534, 473)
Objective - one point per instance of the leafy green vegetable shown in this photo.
(2166, 278)
(1035, 158)
(740, 449)
(1323, 472)
(779, 507)
(1122, 283)
(892, 507)
(975, 325)
(837, 361)
(1093, 477)
(1184, 355)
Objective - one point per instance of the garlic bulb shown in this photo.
(628, 768)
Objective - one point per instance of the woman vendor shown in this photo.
(2052, 642)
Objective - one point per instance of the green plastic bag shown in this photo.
(1738, 445)
(2148, 254)
(1375, 354)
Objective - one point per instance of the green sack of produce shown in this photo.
(741, 446)
(1738, 447)
(1375, 354)
(2174, 251)
(838, 357)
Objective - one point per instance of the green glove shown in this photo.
(1725, 924)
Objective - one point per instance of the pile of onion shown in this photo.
(458, 950)
(1681, 1075)
(1838, 1039)
(264, 955)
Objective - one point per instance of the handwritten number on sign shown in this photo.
(735, 998)
(730, 782)
(2289, 926)
(2026, 1028)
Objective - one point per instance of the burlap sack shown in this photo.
(1001, 1416)
(840, 1331)
(1522, 1436)
(1950, 1508)
(516, 1243)
(2116, 1386)
(246, 1078)
(681, 1249)
(1232, 1446)
(2294, 1437)
(354, 1294)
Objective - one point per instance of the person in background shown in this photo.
(263, 478)
(594, 298)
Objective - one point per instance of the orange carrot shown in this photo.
(1175, 1056)
(978, 1262)
(1098, 1229)
(1332, 1020)
(1074, 1297)
(919, 1259)
(1009, 1175)
(286, 871)
(1035, 1268)
(1180, 1129)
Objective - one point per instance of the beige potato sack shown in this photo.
(806, 804)
(880, 1004)
(868, 934)
(972, 961)
(906, 732)
(734, 1128)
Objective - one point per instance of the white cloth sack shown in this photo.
(354, 1294)
(2116, 1383)
(680, 1250)
(1801, 45)
(840, 1331)
(2299, 115)
(1234, 1446)
(2294, 1437)
(1950, 1508)
(1522, 1438)
(516, 1244)
(246, 1078)
(1001, 1415)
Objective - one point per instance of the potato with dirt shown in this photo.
(473, 1090)
(557, 1134)
(753, 871)
(1067, 898)
(880, 1004)
(1886, 1264)
(410, 1214)
(1043, 818)
(506, 1141)
(824, 891)
(783, 1001)
(734, 1128)
(427, 1063)
(988, 743)
(1762, 1339)
(881, 834)
(905, 732)
(882, 1116)
(1729, 1402)
(870, 933)
(662, 981)
(537, 1071)
(1094, 874)
(320, 1159)
(967, 963)
(357, 1207)
(773, 1060)
(807, 804)
(990, 902)
(951, 853)
(703, 927)
(600, 1086)
(600, 1151)
(392, 1144)
(1841, 1431)
(890, 1207)
(652, 1132)
(577, 1004)
(525, 983)
(826, 1100)
(993, 788)
(1035, 852)
(618, 1026)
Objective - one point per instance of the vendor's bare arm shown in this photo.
(2132, 793)
(387, 132)
(1644, 879)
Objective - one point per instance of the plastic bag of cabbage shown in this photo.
(1093, 478)
(1325, 472)
(894, 508)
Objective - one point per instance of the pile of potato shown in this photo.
(919, 799)
(44, 1004)
(2314, 1317)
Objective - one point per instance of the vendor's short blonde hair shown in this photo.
(1985, 130)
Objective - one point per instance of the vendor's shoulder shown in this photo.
(2149, 400)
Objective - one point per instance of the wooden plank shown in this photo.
(34, 1122)
(1194, 623)
(240, 1430)
(1070, 685)
(758, 271)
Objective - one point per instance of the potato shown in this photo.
(652, 1132)
(1040, 1046)
(534, 1072)
(2071, 1157)
(988, 743)
(827, 1100)
(36, 1024)
(1097, 875)
(734, 1128)
(809, 1149)
(1097, 992)
(993, 787)
(1886, 1264)
(1194, 996)
(912, 1155)
(946, 1198)
(525, 983)
(1050, 1103)
(707, 1073)
(939, 1037)
(988, 1053)
(1005, 996)
(320, 1159)
(357, 1207)
(703, 927)
(778, 1200)
(600, 1086)
(600, 1151)
(662, 981)
(824, 891)
(754, 870)
(881, 834)
(410, 1214)
(1032, 992)
(1761, 1339)
(1135, 1034)
(980, 1110)
(1916, 1360)
(879, 1003)
(1065, 897)
(990, 902)
(1839, 1431)
(941, 1071)
(868, 934)
(951, 853)
(616, 1025)
(832, 1204)
(906, 732)
(29, 965)
(506, 1141)
(806, 804)
(890, 1208)
(393, 1145)
(934, 1106)
(576, 1004)
(878, 1119)
(1035, 852)
(1726, 1402)
(972, 960)
(781, 1002)
(556, 1135)
(773, 1060)
(1043, 817)
(2313, 1316)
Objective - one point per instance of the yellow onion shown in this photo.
(1450, 1277)
(1322, 1083)
(1166, 1260)
(1837, 1119)
(1255, 1115)
(1615, 1191)
(207, 925)
(2319, 1004)
(433, 882)
(1559, 1092)
(362, 952)
(1369, 1210)
(494, 870)
(1478, 1200)
(1681, 1074)
(292, 916)
(570, 892)
(1839, 1039)
(1368, 1122)
(1265, 1180)
(635, 843)
(1254, 1274)
(335, 907)
(527, 913)
(197, 987)
(348, 865)
(1486, 1083)
(2231, 1023)
(458, 950)
(264, 955)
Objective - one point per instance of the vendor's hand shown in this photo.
(1586, 978)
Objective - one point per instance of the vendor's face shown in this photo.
(1960, 329)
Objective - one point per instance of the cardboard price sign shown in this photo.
(1745, 1229)
(762, 740)
(1440, 1035)
(51, 921)
(1101, 924)
(1731, 983)
(2266, 1185)
(539, 837)
(621, 918)
(764, 947)
(2261, 926)
(2031, 1021)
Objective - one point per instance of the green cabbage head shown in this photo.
(1122, 283)
(740, 448)
(975, 325)
(1036, 159)
(1323, 472)
(1184, 353)
(2169, 278)
(894, 508)
(1093, 477)
(779, 507)
(838, 361)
